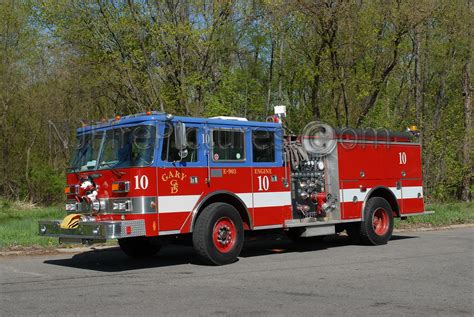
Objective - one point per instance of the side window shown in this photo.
(171, 154)
(263, 145)
(228, 145)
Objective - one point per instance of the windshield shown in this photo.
(128, 147)
(122, 147)
(87, 151)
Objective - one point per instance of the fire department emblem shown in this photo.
(174, 186)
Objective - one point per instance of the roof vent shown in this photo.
(229, 118)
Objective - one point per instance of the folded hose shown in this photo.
(71, 221)
(294, 153)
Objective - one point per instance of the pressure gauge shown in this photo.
(320, 165)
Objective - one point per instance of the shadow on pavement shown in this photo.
(395, 237)
(280, 244)
(114, 260)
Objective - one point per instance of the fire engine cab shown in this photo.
(148, 178)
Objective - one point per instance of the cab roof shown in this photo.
(138, 118)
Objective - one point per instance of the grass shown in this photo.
(19, 225)
(446, 214)
(19, 222)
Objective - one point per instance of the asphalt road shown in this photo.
(419, 273)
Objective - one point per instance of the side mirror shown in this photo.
(181, 139)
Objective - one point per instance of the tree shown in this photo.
(387, 64)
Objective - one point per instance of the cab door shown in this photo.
(181, 180)
(230, 162)
(409, 161)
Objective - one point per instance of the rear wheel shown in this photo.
(377, 225)
(218, 234)
(139, 247)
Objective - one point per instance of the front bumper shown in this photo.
(92, 231)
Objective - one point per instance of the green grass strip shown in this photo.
(446, 214)
(19, 222)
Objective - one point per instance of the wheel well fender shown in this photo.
(223, 197)
(385, 193)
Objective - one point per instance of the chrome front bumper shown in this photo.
(92, 231)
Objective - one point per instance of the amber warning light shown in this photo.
(121, 187)
(71, 189)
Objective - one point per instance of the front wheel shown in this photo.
(377, 225)
(218, 234)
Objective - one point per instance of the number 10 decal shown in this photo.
(403, 158)
(263, 183)
(142, 182)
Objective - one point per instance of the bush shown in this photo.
(46, 184)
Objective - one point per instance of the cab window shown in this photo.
(228, 145)
(263, 146)
(171, 154)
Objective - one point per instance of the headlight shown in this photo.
(71, 207)
(96, 231)
(96, 205)
(122, 205)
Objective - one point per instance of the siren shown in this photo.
(413, 130)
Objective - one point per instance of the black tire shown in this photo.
(139, 247)
(209, 244)
(377, 225)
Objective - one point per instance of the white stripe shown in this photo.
(246, 198)
(271, 199)
(412, 192)
(397, 192)
(186, 203)
(347, 195)
(181, 203)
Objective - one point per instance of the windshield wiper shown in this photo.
(112, 168)
(107, 164)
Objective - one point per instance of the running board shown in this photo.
(319, 231)
(423, 213)
(312, 222)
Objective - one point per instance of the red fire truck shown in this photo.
(149, 178)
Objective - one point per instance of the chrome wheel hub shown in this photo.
(224, 235)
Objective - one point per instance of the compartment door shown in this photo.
(271, 193)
